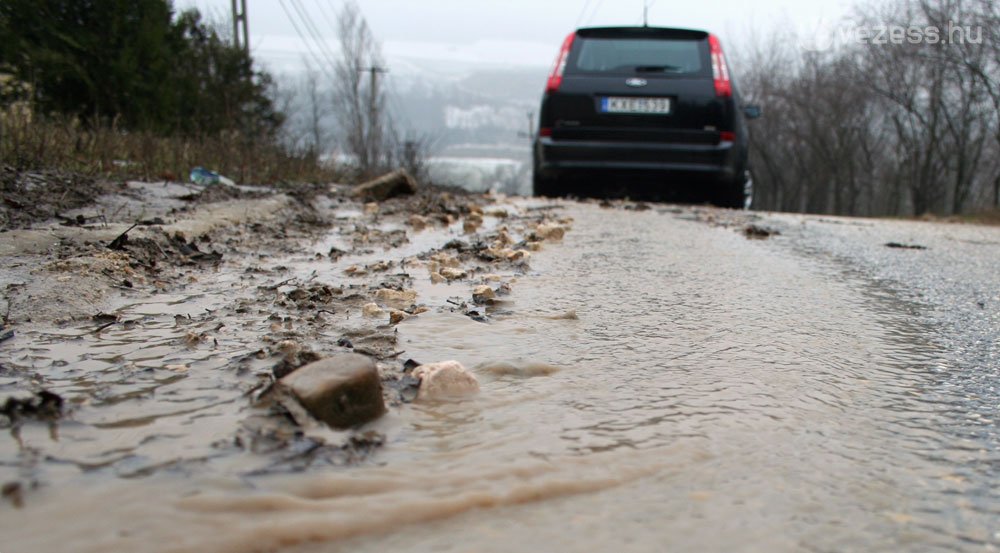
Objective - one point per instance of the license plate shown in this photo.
(617, 104)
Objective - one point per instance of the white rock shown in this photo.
(372, 310)
(445, 379)
(452, 273)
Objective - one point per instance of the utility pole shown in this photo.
(373, 73)
(374, 137)
(531, 127)
(241, 29)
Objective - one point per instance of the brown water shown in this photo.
(713, 394)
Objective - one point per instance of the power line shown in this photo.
(579, 18)
(311, 29)
(309, 49)
(597, 8)
(329, 19)
(306, 15)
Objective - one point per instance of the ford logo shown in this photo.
(636, 82)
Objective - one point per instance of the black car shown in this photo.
(644, 100)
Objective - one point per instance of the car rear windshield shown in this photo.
(655, 56)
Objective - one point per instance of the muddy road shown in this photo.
(658, 378)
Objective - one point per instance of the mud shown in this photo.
(177, 306)
(29, 197)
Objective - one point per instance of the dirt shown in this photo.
(283, 276)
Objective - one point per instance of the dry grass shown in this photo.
(988, 217)
(33, 143)
(985, 217)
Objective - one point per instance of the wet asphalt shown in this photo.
(946, 276)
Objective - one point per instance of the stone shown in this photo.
(418, 222)
(483, 294)
(762, 233)
(445, 260)
(472, 223)
(372, 310)
(396, 299)
(518, 255)
(504, 238)
(397, 183)
(452, 273)
(550, 231)
(446, 379)
(396, 316)
(289, 347)
(343, 390)
(436, 277)
(380, 266)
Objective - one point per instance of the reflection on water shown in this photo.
(712, 393)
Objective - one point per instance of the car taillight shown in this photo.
(727, 136)
(720, 71)
(545, 131)
(555, 78)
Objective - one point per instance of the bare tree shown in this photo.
(359, 100)
(317, 109)
(882, 126)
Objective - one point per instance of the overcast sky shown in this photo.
(502, 32)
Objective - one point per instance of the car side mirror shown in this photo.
(752, 111)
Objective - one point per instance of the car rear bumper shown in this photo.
(711, 160)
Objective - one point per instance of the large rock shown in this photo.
(343, 390)
(446, 379)
(397, 183)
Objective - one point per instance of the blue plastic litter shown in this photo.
(204, 177)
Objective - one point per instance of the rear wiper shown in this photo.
(656, 68)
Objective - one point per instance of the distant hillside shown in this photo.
(463, 110)
(485, 106)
